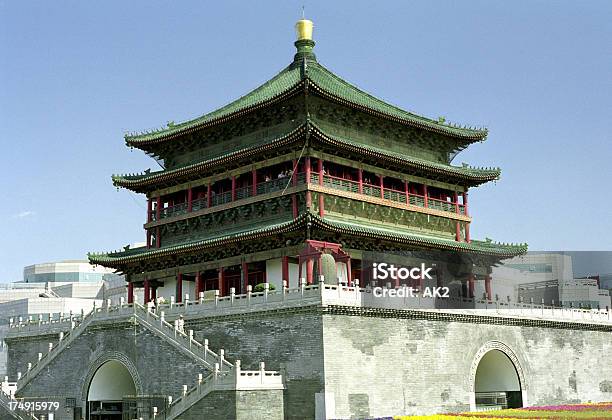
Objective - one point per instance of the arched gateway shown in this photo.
(497, 378)
(109, 384)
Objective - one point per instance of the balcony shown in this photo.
(329, 181)
(388, 194)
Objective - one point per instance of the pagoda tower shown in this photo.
(301, 177)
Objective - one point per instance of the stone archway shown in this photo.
(110, 383)
(111, 377)
(496, 378)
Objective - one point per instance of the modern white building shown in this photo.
(66, 271)
(548, 278)
(54, 288)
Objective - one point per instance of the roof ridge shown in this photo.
(464, 170)
(479, 133)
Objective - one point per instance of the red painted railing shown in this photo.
(329, 181)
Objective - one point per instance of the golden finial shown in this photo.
(303, 29)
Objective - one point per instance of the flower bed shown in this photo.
(573, 411)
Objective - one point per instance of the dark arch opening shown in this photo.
(497, 383)
(109, 385)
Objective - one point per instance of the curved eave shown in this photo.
(116, 259)
(140, 183)
(471, 176)
(477, 247)
(385, 110)
(120, 259)
(142, 141)
(378, 108)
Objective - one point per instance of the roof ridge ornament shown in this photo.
(304, 42)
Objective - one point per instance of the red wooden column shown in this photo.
(488, 287)
(198, 284)
(425, 196)
(147, 291)
(149, 209)
(154, 293)
(407, 191)
(307, 171)
(294, 181)
(467, 233)
(349, 273)
(189, 199)
(148, 238)
(457, 226)
(465, 203)
(179, 287)
(382, 186)
(456, 198)
(320, 171)
(360, 180)
(158, 209)
(471, 285)
(285, 269)
(221, 284)
(234, 188)
(209, 196)
(130, 292)
(309, 270)
(157, 237)
(245, 276)
(254, 182)
(321, 200)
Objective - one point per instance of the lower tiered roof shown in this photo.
(120, 259)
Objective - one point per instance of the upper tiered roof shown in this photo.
(305, 72)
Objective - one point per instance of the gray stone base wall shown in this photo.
(348, 364)
(156, 366)
(238, 405)
(379, 366)
(288, 341)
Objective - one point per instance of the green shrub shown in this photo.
(260, 287)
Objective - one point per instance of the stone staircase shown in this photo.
(8, 407)
(184, 342)
(65, 339)
(234, 379)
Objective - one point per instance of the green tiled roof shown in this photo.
(473, 176)
(284, 82)
(290, 80)
(337, 87)
(229, 235)
(476, 175)
(394, 234)
(138, 182)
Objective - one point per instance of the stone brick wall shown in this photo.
(158, 368)
(382, 366)
(291, 341)
(239, 405)
(359, 364)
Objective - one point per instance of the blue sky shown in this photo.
(76, 75)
